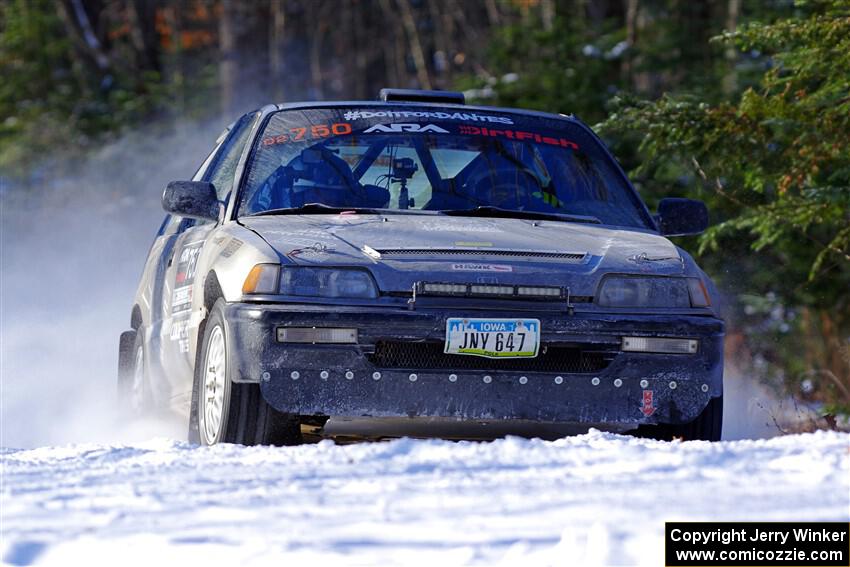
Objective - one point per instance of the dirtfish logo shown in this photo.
(397, 128)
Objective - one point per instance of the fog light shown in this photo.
(314, 335)
(655, 344)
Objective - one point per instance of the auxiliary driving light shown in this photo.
(313, 335)
(444, 288)
(662, 345)
(485, 289)
(538, 292)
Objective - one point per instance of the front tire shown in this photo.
(708, 426)
(227, 412)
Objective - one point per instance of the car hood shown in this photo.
(402, 249)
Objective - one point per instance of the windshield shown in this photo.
(414, 160)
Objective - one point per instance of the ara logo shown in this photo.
(396, 128)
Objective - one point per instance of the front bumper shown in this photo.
(634, 388)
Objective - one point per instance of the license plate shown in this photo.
(493, 338)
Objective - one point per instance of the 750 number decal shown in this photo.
(314, 132)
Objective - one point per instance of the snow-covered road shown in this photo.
(595, 499)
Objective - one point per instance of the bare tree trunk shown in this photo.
(345, 49)
(78, 24)
(730, 80)
(398, 70)
(316, 65)
(465, 27)
(227, 63)
(400, 61)
(631, 38)
(494, 17)
(442, 64)
(637, 20)
(547, 14)
(362, 52)
(448, 25)
(415, 42)
(596, 11)
(315, 14)
(470, 35)
(141, 16)
(277, 31)
(174, 18)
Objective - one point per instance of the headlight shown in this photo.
(327, 282)
(647, 291)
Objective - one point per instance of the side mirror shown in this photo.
(193, 199)
(682, 217)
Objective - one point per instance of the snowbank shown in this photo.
(595, 499)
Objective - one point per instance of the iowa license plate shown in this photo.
(493, 338)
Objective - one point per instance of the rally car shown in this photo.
(415, 259)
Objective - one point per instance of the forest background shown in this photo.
(743, 104)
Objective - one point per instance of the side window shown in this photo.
(205, 167)
(222, 172)
(175, 225)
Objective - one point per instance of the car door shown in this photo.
(181, 276)
(154, 283)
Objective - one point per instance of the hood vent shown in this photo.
(455, 252)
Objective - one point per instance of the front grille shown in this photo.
(572, 256)
(430, 356)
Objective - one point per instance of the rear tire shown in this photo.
(133, 394)
(228, 412)
(125, 362)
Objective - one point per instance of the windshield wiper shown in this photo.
(498, 212)
(320, 209)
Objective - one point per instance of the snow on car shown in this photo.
(422, 259)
